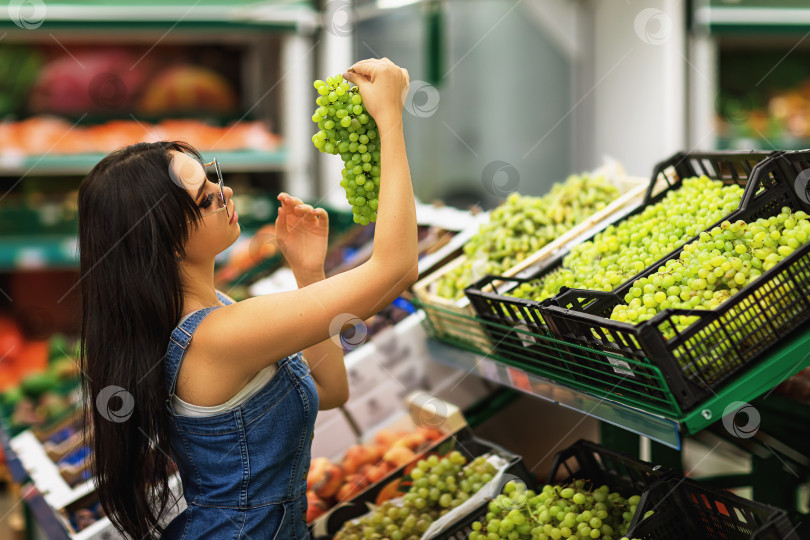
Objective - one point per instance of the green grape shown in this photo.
(523, 225)
(624, 249)
(341, 117)
(428, 497)
(576, 510)
(708, 272)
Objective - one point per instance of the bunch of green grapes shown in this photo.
(714, 268)
(572, 511)
(523, 225)
(439, 485)
(625, 249)
(347, 129)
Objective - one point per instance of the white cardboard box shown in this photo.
(333, 436)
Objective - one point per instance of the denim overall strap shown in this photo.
(178, 343)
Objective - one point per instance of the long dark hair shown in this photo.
(132, 227)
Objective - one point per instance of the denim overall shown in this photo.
(244, 471)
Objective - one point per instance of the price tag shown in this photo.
(621, 367)
(11, 160)
(520, 379)
(395, 352)
(488, 369)
(31, 257)
(527, 340)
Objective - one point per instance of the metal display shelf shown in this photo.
(182, 14)
(656, 427)
(666, 424)
(80, 164)
(15, 466)
(752, 15)
(36, 252)
(783, 143)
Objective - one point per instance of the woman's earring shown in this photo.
(179, 259)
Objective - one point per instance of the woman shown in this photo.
(179, 373)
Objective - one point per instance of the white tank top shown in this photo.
(254, 385)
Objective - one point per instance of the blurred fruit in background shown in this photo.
(37, 378)
(49, 134)
(117, 94)
(248, 253)
(19, 66)
(88, 80)
(188, 88)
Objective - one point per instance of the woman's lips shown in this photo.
(234, 216)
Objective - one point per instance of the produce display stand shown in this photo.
(665, 423)
(463, 441)
(725, 340)
(602, 381)
(631, 191)
(487, 295)
(220, 14)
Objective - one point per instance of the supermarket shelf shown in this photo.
(45, 473)
(656, 427)
(80, 164)
(753, 15)
(762, 143)
(15, 466)
(181, 14)
(35, 252)
(468, 225)
(789, 359)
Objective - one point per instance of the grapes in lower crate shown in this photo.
(625, 249)
(571, 511)
(347, 129)
(523, 225)
(438, 486)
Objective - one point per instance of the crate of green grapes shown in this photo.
(451, 477)
(591, 492)
(709, 310)
(523, 232)
(702, 188)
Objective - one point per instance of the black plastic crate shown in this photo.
(588, 461)
(572, 366)
(724, 341)
(463, 441)
(602, 466)
(729, 167)
(683, 508)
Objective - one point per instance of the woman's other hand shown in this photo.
(302, 233)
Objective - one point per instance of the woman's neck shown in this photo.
(198, 286)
